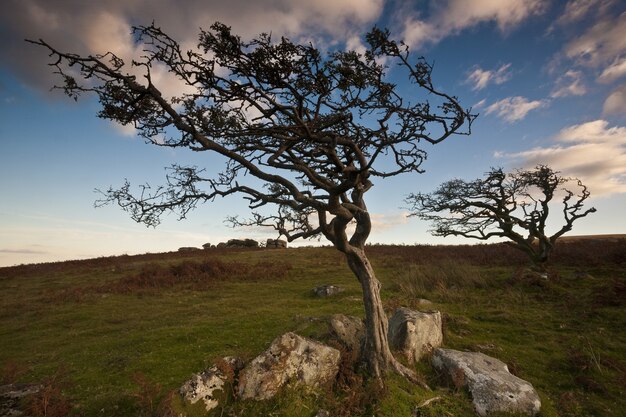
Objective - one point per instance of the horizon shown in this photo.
(548, 78)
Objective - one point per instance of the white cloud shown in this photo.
(614, 71)
(481, 78)
(452, 16)
(615, 104)
(513, 109)
(569, 84)
(593, 152)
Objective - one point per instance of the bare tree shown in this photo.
(514, 206)
(299, 130)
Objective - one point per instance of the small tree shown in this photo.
(311, 131)
(514, 206)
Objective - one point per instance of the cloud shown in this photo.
(453, 16)
(576, 10)
(569, 84)
(614, 71)
(97, 27)
(593, 152)
(23, 251)
(513, 109)
(600, 44)
(615, 104)
(481, 78)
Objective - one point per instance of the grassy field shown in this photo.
(116, 336)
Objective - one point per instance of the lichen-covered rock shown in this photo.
(211, 385)
(415, 333)
(348, 330)
(492, 386)
(289, 359)
(326, 290)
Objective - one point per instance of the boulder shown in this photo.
(492, 386)
(348, 330)
(207, 246)
(415, 333)
(221, 245)
(212, 385)
(327, 290)
(289, 359)
(276, 244)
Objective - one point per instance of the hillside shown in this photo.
(113, 336)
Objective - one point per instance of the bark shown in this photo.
(376, 353)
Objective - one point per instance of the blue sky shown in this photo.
(547, 77)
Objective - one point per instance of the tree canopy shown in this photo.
(515, 206)
(303, 131)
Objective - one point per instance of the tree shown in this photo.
(311, 130)
(514, 206)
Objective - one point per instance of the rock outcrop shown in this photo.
(492, 386)
(212, 386)
(275, 244)
(415, 333)
(242, 243)
(289, 359)
(188, 249)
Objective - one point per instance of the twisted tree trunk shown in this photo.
(376, 352)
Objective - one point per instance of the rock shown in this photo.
(415, 333)
(492, 386)
(221, 245)
(348, 330)
(242, 243)
(188, 249)
(211, 386)
(276, 244)
(322, 413)
(327, 290)
(13, 395)
(290, 358)
(207, 246)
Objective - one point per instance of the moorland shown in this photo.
(116, 336)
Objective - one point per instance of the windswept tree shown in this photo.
(303, 134)
(513, 206)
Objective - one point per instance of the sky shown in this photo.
(547, 77)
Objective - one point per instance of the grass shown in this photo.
(124, 332)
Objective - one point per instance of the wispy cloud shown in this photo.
(513, 109)
(450, 17)
(23, 251)
(614, 71)
(593, 151)
(481, 78)
(569, 84)
(601, 43)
